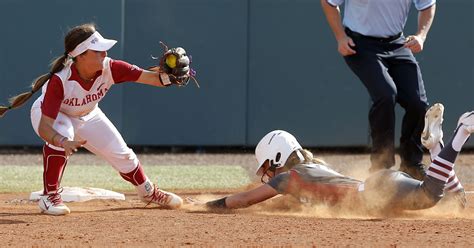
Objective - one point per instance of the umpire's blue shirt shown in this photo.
(378, 18)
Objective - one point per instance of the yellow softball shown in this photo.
(171, 60)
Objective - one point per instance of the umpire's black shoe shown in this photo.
(416, 171)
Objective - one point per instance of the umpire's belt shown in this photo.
(380, 39)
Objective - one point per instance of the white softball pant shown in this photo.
(103, 139)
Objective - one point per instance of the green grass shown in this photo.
(30, 178)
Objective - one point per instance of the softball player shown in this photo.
(286, 168)
(67, 116)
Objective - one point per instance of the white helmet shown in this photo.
(275, 147)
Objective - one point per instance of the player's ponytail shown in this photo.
(18, 100)
(294, 159)
(73, 38)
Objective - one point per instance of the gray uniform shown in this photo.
(382, 190)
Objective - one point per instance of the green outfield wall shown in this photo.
(261, 64)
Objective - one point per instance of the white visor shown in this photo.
(95, 42)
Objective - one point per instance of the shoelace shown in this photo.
(55, 199)
(158, 196)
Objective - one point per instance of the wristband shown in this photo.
(220, 203)
(61, 141)
(165, 79)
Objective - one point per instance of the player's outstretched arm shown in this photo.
(154, 78)
(244, 199)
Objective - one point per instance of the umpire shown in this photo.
(371, 41)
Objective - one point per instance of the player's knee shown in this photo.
(124, 160)
(129, 155)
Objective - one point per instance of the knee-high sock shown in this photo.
(54, 163)
(460, 137)
(138, 178)
(441, 170)
(441, 167)
(453, 183)
(438, 174)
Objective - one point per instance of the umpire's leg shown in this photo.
(383, 93)
(412, 97)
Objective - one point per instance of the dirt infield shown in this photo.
(127, 223)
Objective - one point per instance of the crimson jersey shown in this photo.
(67, 93)
(315, 182)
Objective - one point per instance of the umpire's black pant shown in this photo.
(391, 75)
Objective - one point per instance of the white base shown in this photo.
(78, 194)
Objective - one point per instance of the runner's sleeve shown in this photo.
(124, 72)
(280, 182)
(53, 97)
